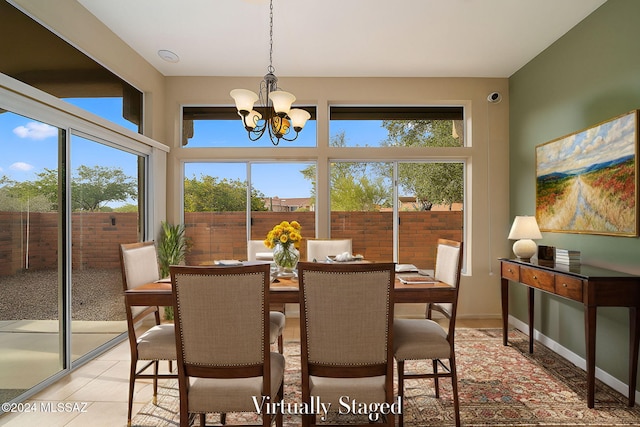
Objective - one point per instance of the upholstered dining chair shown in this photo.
(346, 313)
(425, 339)
(224, 369)
(139, 265)
(257, 251)
(320, 249)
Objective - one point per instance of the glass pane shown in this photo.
(222, 127)
(215, 211)
(397, 126)
(104, 198)
(362, 207)
(30, 324)
(287, 193)
(430, 207)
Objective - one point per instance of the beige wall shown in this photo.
(487, 133)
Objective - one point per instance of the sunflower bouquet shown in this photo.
(285, 234)
(284, 239)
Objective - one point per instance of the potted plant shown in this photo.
(172, 249)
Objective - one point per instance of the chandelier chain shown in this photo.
(271, 69)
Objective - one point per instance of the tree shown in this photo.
(209, 194)
(431, 183)
(93, 186)
(354, 186)
(23, 196)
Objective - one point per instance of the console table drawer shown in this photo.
(537, 278)
(569, 287)
(511, 272)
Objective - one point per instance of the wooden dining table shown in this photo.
(285, 291)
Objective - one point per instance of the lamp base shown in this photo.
(525, 248)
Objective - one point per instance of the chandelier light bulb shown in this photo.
(298, 118)
(244, 99)
(282, 101)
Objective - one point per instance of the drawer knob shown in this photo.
(510, 270)
(535, 277)
(564, 285)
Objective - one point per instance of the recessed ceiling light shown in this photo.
(168, 56)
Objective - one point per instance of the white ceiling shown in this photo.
(342, 38)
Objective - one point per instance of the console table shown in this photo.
(594, 287)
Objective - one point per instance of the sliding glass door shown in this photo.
(105, 212)
(31, 315)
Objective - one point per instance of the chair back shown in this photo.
(447, 270)
(139, 264)
(320, 249)
(209, 299)
(347, 313)
(256, 250)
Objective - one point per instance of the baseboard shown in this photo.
(572, 357)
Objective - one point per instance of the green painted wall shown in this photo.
(590, 75)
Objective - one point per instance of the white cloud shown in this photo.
(35, 130)
(21, 166)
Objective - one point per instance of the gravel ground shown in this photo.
(33, 295)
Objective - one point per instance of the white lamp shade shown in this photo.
(244, 99)
(298, 118)
(281, 101)
(251, 119)
(525, 227)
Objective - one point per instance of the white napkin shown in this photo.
(343, 257)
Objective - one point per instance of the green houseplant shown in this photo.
(172, 249)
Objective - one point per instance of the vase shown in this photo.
(286, 257)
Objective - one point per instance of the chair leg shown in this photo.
(132, 380)
(223, 418)
(203, 420)
(156, 366)
(454, 389)
(401, 392)
(281, 344)
(436, 382)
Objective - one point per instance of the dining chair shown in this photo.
(320, 249)
(257, 251)
(139, 265)
(425, 339)
(346, 313)
(224, 369)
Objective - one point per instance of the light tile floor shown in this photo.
(96, 394)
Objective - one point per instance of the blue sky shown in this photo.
(29, 147)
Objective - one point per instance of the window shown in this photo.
(393, 207)
(396, 126)
(222, 127)
(219, 197)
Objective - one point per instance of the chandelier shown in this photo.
(277, 117)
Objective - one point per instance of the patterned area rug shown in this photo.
(498, 386)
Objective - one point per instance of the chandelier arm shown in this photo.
(290, 139)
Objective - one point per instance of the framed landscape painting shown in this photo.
(587, 182)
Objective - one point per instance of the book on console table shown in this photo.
(567, 257)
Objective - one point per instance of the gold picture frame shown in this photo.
(587, 181)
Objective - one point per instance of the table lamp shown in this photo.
(524, 230)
